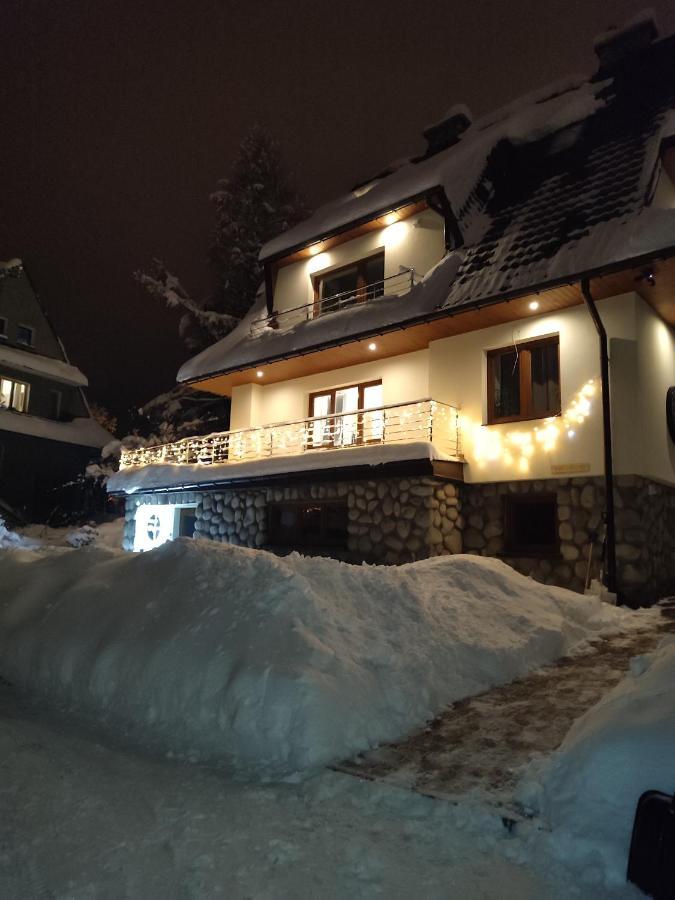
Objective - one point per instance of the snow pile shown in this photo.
(622, 747)
(10, 540)
(270, 666)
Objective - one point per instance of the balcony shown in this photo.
(402, 423)
(393, 286)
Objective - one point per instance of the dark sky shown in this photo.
(119, 116)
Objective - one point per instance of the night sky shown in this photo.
(119, 116)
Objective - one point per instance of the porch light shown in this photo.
(315, 248)
(390, 218)
(534, 305)
(259, 373)
(372, 345)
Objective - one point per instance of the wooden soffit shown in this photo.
(660, 295)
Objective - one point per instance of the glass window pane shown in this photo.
(24, 335)
(20, 397)
(507, 384)
(5, 393)
(339, 283)
(374, 273)
(373, 422)
(545, 380)
(346, 427)
(319, 429)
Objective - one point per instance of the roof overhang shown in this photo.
(418, 334)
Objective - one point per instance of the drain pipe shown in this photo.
(610, 544)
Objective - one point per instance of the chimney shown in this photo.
(619, 43)
(448, 130)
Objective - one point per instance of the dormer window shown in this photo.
(356, 282)
(25, 335)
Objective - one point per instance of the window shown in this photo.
(3, 327)
(307, 525)
(13, 395)
(531, 524)
(24, 335)
(354, 283)
(524, 381)
(337, 420)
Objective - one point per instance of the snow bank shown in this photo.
(269, 666)
(620, 748)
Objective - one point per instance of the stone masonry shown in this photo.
(392, 520)
(398, 520)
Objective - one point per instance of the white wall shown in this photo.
(417, 242)
(654, 450)
(404, 379)
(521, 450)
(454, 370)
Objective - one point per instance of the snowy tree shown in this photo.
(256, 202)
(103, 416)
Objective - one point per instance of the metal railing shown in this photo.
(400, 423)
(392, 286)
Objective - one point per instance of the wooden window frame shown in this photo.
(514, 548)
(525, 367)
(362, 385)
(361, 282)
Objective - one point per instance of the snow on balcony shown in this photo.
(422, 429)
(392, 286)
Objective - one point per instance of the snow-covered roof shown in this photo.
(35, 364)
(551, 187)
(86, 432)
(153, 477)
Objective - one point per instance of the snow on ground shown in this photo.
(269, 666)
(104, 534)
(621, 747)
(81, 819)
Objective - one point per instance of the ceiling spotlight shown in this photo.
(259, 373)
(372, 345)
(534, 305)
(390, 218)
(315, 248)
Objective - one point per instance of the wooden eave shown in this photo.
(417, 335)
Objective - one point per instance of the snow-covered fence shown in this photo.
(392, 286)
(423, 420)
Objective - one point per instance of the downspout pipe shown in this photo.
(610, 541)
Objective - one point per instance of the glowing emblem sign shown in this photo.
(154, 526)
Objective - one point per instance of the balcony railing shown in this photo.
(393, 286)
(401, 423)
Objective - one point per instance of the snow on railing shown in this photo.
(423, 420)
(392, 286)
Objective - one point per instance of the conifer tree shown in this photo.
(254, 204)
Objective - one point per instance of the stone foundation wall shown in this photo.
(398, 520)
(391, 521)
(645, 531)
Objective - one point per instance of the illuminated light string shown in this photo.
(516, 448)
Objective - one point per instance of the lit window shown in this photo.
(524, 381)
(24, 335)
(354, 283)
(344, 423)
(13, 395)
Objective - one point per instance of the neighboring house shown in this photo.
(422, 373)
(47, 435)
